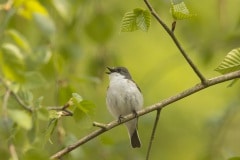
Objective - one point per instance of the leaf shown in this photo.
(32, 133)
(22, 118)
(135, 20)
(40, 57)
(14, 50)
(45, 24)
(26, 96)
(63, 7)
(50, 129)
(180, 11)
(230, 63)
(82, 107)
(20, 40)
(83, 111)
(87, 106)
(77, 97)
(28, 8)
(12, 62)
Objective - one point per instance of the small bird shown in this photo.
(124, 97)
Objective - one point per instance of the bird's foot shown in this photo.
(120, 118)
(135, 113)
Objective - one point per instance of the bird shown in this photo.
(124, 97)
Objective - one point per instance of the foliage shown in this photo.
(230, 63)
(180, 11)
(135, 20)
(53, 56)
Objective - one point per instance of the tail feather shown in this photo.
(135, 141)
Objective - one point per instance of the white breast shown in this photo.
(123, 96)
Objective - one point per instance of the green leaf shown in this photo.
(180, 11)
(230, 63)
(63, 7)
(135, 20)
(45, 24)
(82, 107)
(77, 98)
(42, 112)
(14, 50)
(22, 118)
(20, 40)
(26, 96)
(50, 129)
(87, 107)
(32, 133)
(12, 62)
(40, 57)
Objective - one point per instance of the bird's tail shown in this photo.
(133, 133)
(135, 141)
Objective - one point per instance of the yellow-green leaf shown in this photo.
(135, 20)
(22, 118)
(50, 129)
(180, 11)
(45, 24)
(12, 62)
(77, 98)
(30, 7)
(20, 40)
(230, 63)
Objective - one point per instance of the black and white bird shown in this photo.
(124, 97)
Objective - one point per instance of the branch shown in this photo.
(171, 34)
(18, 99)
(153, 133)
(157, 106)
(62, 109)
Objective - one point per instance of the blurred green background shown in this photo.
(50, 49)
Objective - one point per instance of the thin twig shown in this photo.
(13, 152)
(157, 106)
(5, 103)
(175, 40)
(153, 133)
(62, 109)
(17, 98)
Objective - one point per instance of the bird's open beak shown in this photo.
(110, 70)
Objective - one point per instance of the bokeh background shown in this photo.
(53, 48)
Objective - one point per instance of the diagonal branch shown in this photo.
(175, 40)
(157, 106)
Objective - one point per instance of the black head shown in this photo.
(122, 70)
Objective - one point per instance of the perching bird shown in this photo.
(124, 97)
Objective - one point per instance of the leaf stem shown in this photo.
(175, 40)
